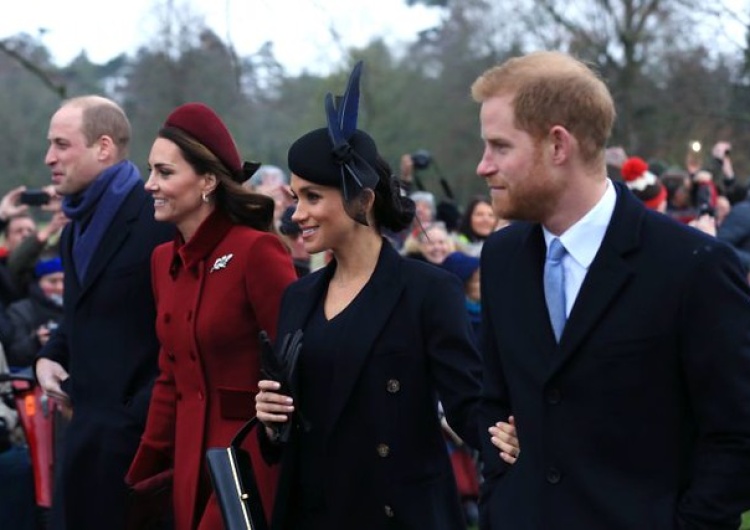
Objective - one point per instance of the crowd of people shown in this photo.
(579, 335)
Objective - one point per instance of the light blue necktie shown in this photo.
(554, 286)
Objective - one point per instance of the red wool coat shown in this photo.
(213, 295)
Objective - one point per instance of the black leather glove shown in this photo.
(282, 367)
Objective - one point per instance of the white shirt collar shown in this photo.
(583, 239)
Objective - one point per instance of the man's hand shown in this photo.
(50, 374)
(10, 204)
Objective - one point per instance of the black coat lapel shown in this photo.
(525, 293)
(607, 276)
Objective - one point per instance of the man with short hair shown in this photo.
(618, 339)
(102, 360)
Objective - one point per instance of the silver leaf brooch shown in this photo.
(221, 263)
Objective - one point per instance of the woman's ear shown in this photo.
(210, 184)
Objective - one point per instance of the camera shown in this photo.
(34, 197)
(706, 209)
(421, 159)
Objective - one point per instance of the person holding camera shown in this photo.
(36, 316)
(721, 168)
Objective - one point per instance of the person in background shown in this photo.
(606, 327)
(33, 318)
(644, 184)
(478, 222)
(615, 156)
(271, 181)
(723, 207)
(735, 231)
(466, 269)
(102, 359)
(292, 234)
(217, 285)
(721, 168)
(426, 209)
(383, 339)
(432, 244)
(44, 241)
(703, 191)
(18, 509)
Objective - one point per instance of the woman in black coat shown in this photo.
(384, 338)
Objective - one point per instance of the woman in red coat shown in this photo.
(216, 286)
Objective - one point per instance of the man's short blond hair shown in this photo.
(102, 116)
(553, 88)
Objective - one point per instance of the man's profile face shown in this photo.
(74, 165)
(514, 165)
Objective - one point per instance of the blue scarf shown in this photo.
(92, 210)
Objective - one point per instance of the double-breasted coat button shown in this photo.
(200, 395)
(170, 355)
(383, 450)
(553, 475)
(554, 396)
(388, 510)
(393, 386)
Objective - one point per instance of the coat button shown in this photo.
(388, 510)
(200, 395)
(553, 475)
(170, 355)
(383, 450)
(393, 386)
(554, 396)
(179, 396)
(192, 355)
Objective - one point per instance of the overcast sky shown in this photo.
(302, 30)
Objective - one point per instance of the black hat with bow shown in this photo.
(339, 155)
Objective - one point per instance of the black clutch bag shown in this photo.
(234, 483)
(281, 366)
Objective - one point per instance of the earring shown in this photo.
(204, 196)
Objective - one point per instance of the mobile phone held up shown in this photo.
(34, 197)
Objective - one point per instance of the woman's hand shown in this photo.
(271, 407)
(505, 438)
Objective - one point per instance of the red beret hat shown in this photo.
(203, 124)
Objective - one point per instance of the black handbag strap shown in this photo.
(242, 433)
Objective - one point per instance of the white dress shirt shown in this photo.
(582, 242)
